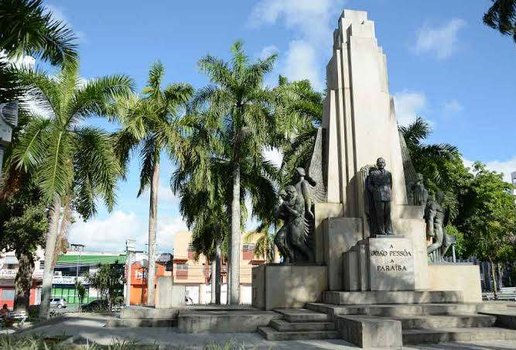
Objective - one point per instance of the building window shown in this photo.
(248, 251)
(191, 252)
(181, 271)
(41, 265)
(7, 294)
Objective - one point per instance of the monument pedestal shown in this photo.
(380, 264)
(288, 286)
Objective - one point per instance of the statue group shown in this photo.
(296, 211)
(294, 238)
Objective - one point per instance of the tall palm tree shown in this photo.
(26, 28)
(67, 158)
(149, 125)
(245, 125)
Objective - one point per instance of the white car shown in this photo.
(58, 302)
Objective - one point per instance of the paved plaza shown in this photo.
(91, 328)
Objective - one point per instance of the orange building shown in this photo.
(138, 278)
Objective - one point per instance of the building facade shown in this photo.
(194, 272)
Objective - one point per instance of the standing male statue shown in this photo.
(379, 186)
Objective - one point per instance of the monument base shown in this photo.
(380, 264)
(288, 286)
(457, 277)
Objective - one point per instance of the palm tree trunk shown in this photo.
(234, 261)
(46, 288)
(153, 221)
(23, 280)
(218, 267)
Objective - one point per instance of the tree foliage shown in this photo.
(502, 17)
(23, 224)
(109, 281)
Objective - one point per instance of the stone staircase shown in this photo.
(425, 317)
(299, 324)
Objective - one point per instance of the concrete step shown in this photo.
(445, 321)
(419, 336)
(285, 326)
(303, 315)
(394, 310)
(398, 297)
(272, 334)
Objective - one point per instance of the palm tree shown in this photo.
(245, 124)
(300, 110)
(27, 29)
(70, 160)
(428, 159)
(502, 16)
(150, 126)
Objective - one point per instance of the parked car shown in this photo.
(58, 302)
(101, 305)
(95, 306)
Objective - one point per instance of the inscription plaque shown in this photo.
(391, 264)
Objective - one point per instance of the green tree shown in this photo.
(149, 126)
(26, 28)
(109, 281)
(81, 291)
(489, 218)
(23, 224)
(244, 125)
(502, 17)
(73, 163)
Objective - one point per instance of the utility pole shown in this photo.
(8, 121)
(77, 248)
(129, 250)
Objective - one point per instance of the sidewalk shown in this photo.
(90, 327)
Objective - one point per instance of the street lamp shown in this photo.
(77, 248)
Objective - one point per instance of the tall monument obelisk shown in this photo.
(359, 114)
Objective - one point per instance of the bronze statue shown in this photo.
(291, 239)
(379, 188)
(281, 240)
(418, 194)
(436, 218)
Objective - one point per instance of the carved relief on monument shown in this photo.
(436, 218)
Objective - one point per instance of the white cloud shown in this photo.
(409, 105)
(311, 18)
(452, 107)
(313, 23)
(273, 155)
(440, 41)
(505, 167)
(268, 51)
(109, 234)
(301, 63)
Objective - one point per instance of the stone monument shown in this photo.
(367, 235)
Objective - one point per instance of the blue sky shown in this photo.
(443, 64)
